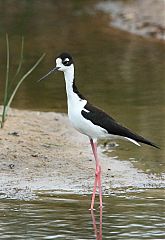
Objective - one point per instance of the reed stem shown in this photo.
(9, 93)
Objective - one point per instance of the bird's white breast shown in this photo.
(75, 107)
(83, 125)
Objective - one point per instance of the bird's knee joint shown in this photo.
(98, 170)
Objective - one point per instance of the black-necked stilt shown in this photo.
(90, 120)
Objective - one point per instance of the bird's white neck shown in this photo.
(69, 81)
(73, 95)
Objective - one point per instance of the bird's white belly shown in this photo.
(85, 126)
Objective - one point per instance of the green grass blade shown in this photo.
(21, 58)
(23, 78)
(6, 81)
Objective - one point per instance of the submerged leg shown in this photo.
(97, 182)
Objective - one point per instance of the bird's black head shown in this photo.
(65, 58)
(63, 63)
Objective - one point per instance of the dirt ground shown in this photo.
(41, 151)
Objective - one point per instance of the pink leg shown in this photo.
(97, 181)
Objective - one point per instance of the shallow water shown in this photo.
(137, 215)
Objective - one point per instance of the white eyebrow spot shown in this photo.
(66, 59)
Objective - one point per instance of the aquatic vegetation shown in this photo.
(11, 87)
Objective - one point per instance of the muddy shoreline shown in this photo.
(144, 18)
(41, 151)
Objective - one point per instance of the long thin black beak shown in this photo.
(51, 71)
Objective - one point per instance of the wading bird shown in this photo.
(90, 120)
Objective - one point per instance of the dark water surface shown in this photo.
(119, 72)
(53, 216)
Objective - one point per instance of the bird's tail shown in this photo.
(139, 139)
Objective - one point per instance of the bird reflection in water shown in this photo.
(97, 227)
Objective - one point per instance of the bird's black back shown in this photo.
(100, 118)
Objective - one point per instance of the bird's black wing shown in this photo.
(100, 118)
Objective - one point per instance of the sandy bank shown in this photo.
(41, 151)
(145, 18)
